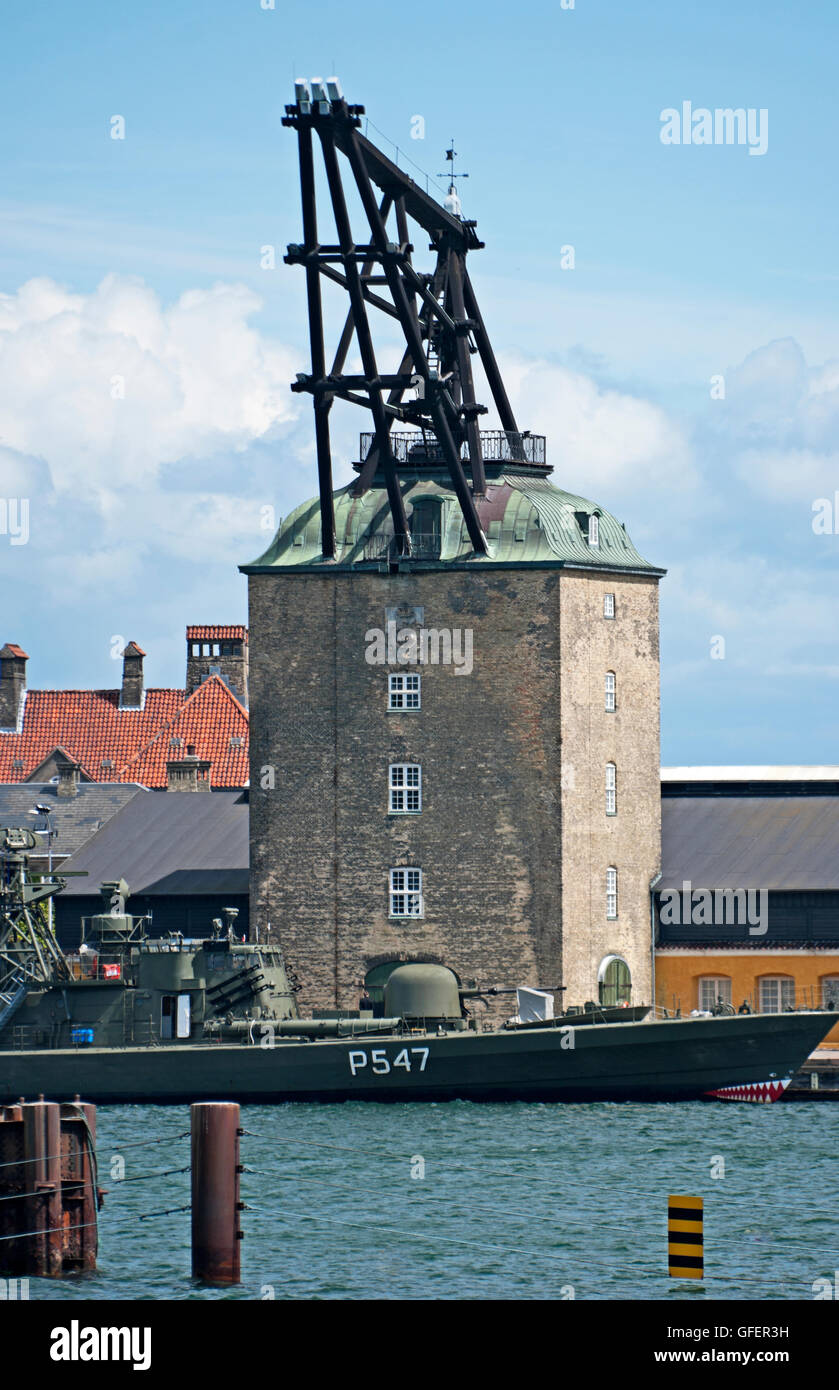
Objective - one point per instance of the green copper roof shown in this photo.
(526, 519)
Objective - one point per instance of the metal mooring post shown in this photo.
(41, 1250)
(79, 1192)
(216, 1235)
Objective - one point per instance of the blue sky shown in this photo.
(140, 258)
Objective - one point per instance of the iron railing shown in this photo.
(382, 546)
(422, 448)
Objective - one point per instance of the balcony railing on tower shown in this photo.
(422, 449)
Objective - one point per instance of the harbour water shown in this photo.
(365, 1201)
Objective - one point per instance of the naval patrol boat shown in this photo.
(129, 1017)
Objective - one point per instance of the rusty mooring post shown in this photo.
(48, 1194)
(79, 1194)
(42, 1218)
(216, 1236)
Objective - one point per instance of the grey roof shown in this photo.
(777, 843)
(75, 818)
(169, 843)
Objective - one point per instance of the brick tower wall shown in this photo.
(501, 906)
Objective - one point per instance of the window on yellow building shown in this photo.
(777, 993)
(830, 991)
(714, 990)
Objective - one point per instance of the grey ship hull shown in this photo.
(744, 1058)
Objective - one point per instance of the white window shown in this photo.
(830, 992)
(610, 692)
(611, 789)
(403, 692)
(777, 994)
(608, 605)
(714, 990)
(594, 529)
(406, 892)
(611, 894)
(405, 787)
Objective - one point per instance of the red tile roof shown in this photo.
(11, 649)
(217, 634)
(90, 726)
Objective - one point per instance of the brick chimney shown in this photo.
(188, 774)
(12, 683)
(131, 696)
(218, 651)
(69, 776)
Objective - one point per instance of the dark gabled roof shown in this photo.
(75, 818)
(769, 842)
(169, 843)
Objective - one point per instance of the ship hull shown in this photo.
(745, 1058)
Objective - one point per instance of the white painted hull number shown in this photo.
(378, 1062)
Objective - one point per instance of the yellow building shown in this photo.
(747, 908)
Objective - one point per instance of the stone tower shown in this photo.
(455, 755)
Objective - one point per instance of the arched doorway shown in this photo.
(614, 981)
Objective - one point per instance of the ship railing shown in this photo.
(773, 996)
(92, 966)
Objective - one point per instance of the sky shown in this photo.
(685, 368)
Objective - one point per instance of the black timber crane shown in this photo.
(437, 312)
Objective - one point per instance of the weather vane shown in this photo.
(451, 156)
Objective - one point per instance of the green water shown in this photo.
(516, 1201)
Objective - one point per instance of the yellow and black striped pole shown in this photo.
(685, 1248)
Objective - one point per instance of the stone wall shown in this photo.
(492, 745)
(629, 840)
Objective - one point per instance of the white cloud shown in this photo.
(110, 387)
(602, 442)
(781, 421)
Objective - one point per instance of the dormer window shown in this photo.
(427, 527)
(594, 529)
